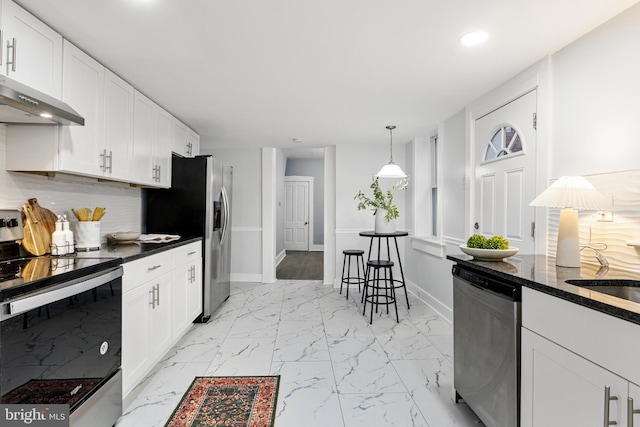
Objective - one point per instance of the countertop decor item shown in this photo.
(570, 193)
(488, 254)
(238, 401)
(391, 170)
(381, 203)
(123, 236)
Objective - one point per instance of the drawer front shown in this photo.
(605, 340)
(144, 269)
(187, 253)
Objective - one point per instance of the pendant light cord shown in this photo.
(391, 128)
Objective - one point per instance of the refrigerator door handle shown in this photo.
(225, 220)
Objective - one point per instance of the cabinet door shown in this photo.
(135, 336)
(37, 50)
(143, 172)
(118, 127)
(195, 291)
(632, 405)
(180, 143)
(83, 89)
(180, 299)
(160, 333)
(560, 388)
(194, 140)
(162, 138)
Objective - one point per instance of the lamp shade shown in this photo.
(391, 170)
(571, 192)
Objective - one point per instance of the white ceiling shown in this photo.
(260, 73)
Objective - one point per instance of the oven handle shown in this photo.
(29, 303)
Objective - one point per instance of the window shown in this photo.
(434, 186)
(504, 142)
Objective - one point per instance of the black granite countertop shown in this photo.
(132, 251)
(540, 273)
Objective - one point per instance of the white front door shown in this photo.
(296, 215)
(505, 165)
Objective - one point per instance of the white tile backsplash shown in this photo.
(60, 194)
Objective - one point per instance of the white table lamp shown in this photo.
(570, 193)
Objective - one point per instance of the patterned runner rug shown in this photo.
(228, 401)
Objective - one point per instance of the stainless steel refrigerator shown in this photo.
(197, 204)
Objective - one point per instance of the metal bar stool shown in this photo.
(348, 279)
(382, 290)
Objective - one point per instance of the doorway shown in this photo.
(505, 172)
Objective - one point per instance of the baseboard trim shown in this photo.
(280, 257)
(430, 300)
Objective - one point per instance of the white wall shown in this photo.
(596, 100)
(355, 168)
(246, 225)
(281, 165)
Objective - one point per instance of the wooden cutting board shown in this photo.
(43, 216)
(36, 237)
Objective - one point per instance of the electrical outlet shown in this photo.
(604, 216)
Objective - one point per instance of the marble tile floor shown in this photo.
(336, 370)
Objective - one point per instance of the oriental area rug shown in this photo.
(228, 401)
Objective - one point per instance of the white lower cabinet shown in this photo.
(187, 287)
(579, 367)
(158, 306)
(563, 389)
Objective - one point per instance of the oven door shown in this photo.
(61, 345)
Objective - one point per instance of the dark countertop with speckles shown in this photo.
(540, 273)
(131, 251)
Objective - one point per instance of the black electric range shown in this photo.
(22, 275)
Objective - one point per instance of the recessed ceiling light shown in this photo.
(474, 38)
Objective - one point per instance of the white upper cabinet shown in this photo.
(31, 52)
(194, 140)
(152, 134)
(83, 87)
(117, 151)
(185, 141)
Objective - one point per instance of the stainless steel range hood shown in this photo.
(20, 104)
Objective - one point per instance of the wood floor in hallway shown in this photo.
(301, 265)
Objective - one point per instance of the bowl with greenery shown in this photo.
(494, 248)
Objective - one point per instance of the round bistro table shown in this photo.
(386, 236)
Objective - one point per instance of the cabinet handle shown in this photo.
(110, 157)
(153, 298)
(631, 412)
(158, 294)
(191, 253)
(189, 149)
(607, 400)
(13, 54)
(154, 267)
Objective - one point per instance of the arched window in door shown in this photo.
(505, 141)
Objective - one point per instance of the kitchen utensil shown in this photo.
(36, 237)
(88, 235)
(43, 215)
(123, 236)
(98, 213)
(83, 214)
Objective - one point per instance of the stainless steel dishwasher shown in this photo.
(486, 346)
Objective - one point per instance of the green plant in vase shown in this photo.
(381, 199)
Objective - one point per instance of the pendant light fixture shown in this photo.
(391, 170)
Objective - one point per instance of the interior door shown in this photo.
(505, 165)
(296, 216)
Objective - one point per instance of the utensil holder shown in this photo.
(88, 235)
